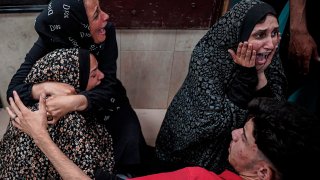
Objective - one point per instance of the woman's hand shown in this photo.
(245, 55)
(60, 105)
(51, 88)
(34, 123)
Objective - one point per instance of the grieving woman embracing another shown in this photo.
(83, 24)
(86, 142)
(236, 61)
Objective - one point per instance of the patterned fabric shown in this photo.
(64, 23)
(86, 143)
(197, 126)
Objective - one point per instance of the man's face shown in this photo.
(243, 151)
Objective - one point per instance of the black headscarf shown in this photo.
(64, 24)
(253, 17)
(197, 126)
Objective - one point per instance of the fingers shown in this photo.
(245, 55)
(305, 65)
(17, 125)
(233, 54)
(11, 113)
(253, 57)
(14, 107)
(18, 101)
(42, 100)
(244, 50)
(304, 59)
(249, 52)
(239, 49)
(14, 118)
(53, 121)
(316, 55)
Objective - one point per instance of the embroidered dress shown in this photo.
(196, 130)
(84, 141)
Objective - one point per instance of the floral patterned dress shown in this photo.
(87, 143)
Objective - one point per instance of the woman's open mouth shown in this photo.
(261, 58)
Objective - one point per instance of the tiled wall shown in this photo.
(152, 64)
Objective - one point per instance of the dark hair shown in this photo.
(288, 135)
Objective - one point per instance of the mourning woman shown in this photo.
(83, 24)
(86, 142)
(235, 61)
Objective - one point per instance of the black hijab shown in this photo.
(253, 17)
(64, 24)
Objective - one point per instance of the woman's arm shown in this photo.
(302, 46)
(34, 123)
(108, 96)
(65, 167)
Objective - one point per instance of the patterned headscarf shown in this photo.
(197, 126)
(62, 65)
(64, 24)
(86, 142)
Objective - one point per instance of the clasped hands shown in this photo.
(59, 99)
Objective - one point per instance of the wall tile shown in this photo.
(187, 39)
(179, 71)
(144, 40)
(17, 37)
(146, 76)
(4, 120)
(150, 120)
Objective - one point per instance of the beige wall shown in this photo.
(152, 64)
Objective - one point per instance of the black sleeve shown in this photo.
(17, 82)
(107, 96)
(264, 92)
(241, 89)
(104, 175)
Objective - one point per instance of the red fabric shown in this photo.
(191, 173)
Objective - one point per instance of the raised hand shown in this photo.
(34, 123)
(245, 55)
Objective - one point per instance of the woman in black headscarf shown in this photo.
(86, 142)
(77, 23)
(226, 71)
